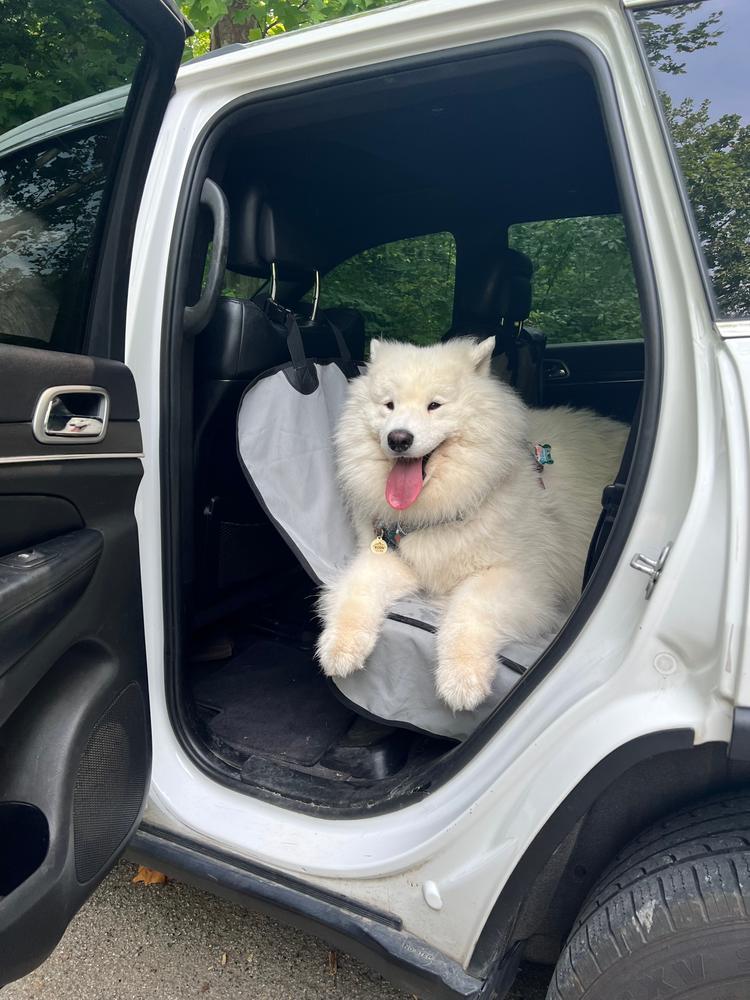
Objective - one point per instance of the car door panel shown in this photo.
(26, 519)
(75, 746)
(606, 376)
(73, 706)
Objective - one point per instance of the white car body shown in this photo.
(676, 661)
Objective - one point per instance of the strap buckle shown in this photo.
(612, 497)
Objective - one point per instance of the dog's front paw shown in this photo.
(464, 680)
(343, 651)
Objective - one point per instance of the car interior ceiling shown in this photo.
(468, 148)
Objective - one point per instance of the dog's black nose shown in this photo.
(399, 441)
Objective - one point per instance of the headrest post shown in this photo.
(316, 297)
(272, 294)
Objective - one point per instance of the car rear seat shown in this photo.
(234, 543)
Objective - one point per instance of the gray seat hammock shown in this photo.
(285, 426)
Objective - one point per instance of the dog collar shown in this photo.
(388, 536)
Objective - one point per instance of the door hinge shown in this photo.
(651, 567)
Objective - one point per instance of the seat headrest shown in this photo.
(515, 303)
(266, 230)
(497, 291)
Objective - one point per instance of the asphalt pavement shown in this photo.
(173, 942)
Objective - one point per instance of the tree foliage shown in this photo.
(583, 285)
(714, 153)
(224, 22)
(404, 289)
(54, 53)
(666, 40)
(715, 159)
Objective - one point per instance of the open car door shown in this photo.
(83, 90)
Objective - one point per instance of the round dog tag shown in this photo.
(378, 546)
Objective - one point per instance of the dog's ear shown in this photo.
(374, 348)
(481, 354)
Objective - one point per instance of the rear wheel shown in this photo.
(670, 917)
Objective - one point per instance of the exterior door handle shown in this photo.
(71, 414)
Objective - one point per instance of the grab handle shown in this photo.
(196, 317)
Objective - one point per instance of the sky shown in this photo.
(722, 72)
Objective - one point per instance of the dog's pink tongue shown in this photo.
(404, 483)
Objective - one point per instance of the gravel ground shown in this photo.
(172, 942)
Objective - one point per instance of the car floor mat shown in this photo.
(272, 700)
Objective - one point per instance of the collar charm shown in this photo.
(542, 456)
(387, 536)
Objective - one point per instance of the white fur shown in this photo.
(511, 568)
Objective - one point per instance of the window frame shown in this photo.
(173, 349)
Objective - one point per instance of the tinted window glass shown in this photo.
(583, 287)
(58, 152)
(50, 201)
(240, 286)
(404, 289)
(699, 55)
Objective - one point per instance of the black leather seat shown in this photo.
(501, 310)
(234, 543)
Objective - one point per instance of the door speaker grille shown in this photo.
(110, 783)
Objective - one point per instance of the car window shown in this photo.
(403, 289)
(698, 55)
(583, 286)
(240, 286)
(50, 201)
(59, 129)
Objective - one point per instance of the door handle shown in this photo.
(71, 414)
(554, 370)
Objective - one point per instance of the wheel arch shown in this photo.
(635, 785)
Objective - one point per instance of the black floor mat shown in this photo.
(272, 700)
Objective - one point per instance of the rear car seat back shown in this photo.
(234, 543)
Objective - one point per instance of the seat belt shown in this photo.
(612, 498)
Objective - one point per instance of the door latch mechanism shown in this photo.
(651, 567)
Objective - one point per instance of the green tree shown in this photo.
(224, 22)
(583, 285)
(666, 40)
(54, 53)
(404, 289)
(715, 159)
(714, 153)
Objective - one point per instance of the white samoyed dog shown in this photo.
(437, 463)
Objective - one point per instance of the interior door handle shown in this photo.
(70, 414)
(554, 370)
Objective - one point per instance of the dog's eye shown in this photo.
(388, 405)
(434, 406)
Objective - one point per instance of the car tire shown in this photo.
(671, 915)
